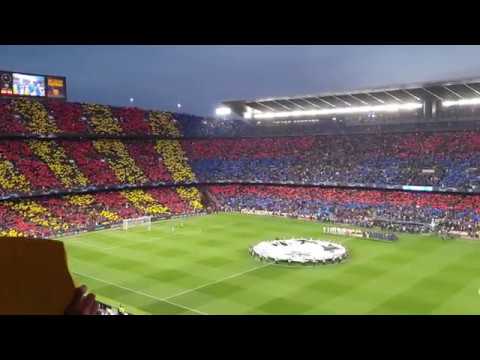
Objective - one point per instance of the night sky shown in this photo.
(200, 77)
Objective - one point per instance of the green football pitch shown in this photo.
(201, 265)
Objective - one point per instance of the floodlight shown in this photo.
(462, 102)
(346, 110)
(223, 111)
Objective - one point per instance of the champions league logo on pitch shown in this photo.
(299, 251)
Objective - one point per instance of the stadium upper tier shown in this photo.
(45, 118)
(445, 160)
(54, 119)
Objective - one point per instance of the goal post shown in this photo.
(140, 221)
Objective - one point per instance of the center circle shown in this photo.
(299, 251)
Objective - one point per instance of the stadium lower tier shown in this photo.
(394, 210)
(50, 216)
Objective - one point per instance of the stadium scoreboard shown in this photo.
(14, 84)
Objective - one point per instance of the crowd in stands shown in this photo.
(43, 165)
(56, 215)
(9, 123)
(176, 203)
(394, 210)
(132, 120)
(176, 162)
(70, 119)
(35, 117)
(10, 179)
(440, 159)
(164, 124)
(34, 212)
(149, 161)
(194, 126)
(145, 202)
(55, 158)
(102, 120)
(57, 117)
(192, 196)
(446, 160)
(120, 161)
(25, 163)
(90, 162)
(14, 225)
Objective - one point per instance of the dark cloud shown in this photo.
(200, 77)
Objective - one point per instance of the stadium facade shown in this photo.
(422, 101)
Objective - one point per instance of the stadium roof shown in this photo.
(443, 91)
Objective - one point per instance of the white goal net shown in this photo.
(140, 221)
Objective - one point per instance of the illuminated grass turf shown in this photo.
(204, 268)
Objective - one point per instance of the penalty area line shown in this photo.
(141, 293)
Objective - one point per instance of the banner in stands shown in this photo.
(417, 188)
(32, 85)
(375, 235)
(342, 231)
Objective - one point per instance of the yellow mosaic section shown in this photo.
(145, 202)
(192, 195)
(35, 116)
(175, 160)
(80, 200)
(161, 123)
(87, 200)
(10, 179)
(56, 159)
(12, 233)
(110, 216)
(120, 161)
(102, 120)
(37, 214)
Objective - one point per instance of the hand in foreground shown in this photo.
(81, 304)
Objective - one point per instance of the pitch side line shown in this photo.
(216, 281)
(141, 293)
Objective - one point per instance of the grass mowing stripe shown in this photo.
(82, 242)
(140, 293)
(217, 281)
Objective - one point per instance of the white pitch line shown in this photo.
(141, 293)
(217, 281)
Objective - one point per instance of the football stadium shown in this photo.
(359, 202)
